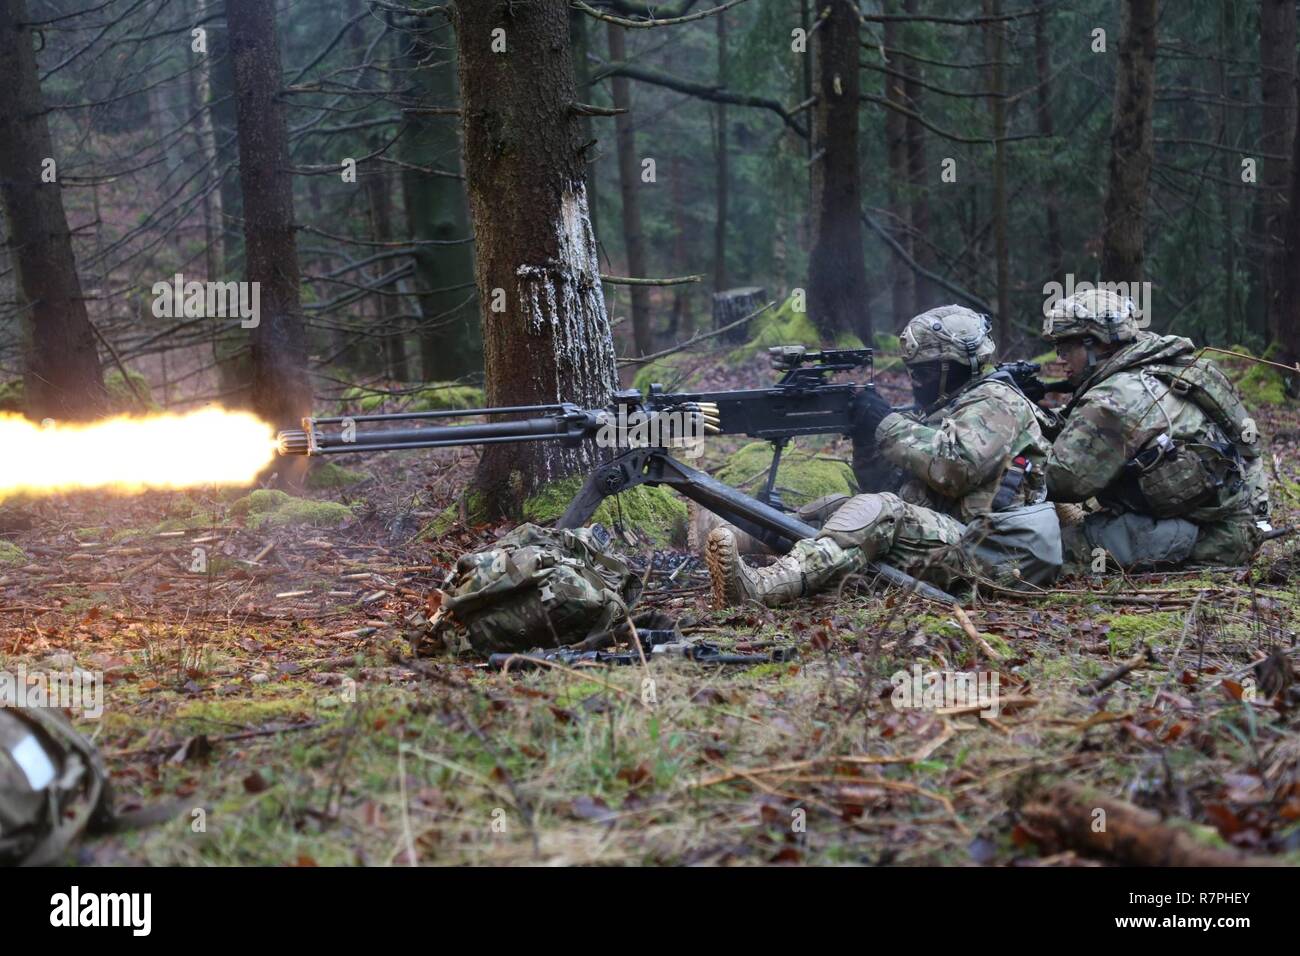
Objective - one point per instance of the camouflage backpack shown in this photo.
(540, 587)
(52, 786)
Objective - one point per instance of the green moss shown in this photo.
(1127, 629)
(802, 475)
(658, 513)
(11, 396)
(10, 553)
(785, 326)
(888, 352)
(436, 396)
(1261, 384)
(326, 474)
(671, 371)
(121, 396)
(270, 508)
(446, 396)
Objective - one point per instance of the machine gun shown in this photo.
(1024, 375)
(802, 402)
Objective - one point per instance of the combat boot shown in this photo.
(811, 564)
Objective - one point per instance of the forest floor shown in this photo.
(275, 706)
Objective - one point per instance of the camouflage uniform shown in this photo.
(539, 587)
(1161, 440)
(955, 456)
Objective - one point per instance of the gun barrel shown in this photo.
(337, 436)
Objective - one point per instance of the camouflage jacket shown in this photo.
(955, 457)
(1122, 408)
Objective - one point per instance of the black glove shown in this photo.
(871, 411)
(1033, 388)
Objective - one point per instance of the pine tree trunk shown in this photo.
(281, 389)
(451, 340)
(62, 374)
(381, 223)
(917, 170)
(629, 180)
(1051, 205)
(579, 37)
(837, 274)
(721, 280)
(536, 262)
(1277, 53)
(1131, 146)
(903, 279)
(995, 35)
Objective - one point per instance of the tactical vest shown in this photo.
(1173, 476)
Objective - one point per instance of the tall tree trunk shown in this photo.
(1131, 145)
(381, 224)
(1228, 167)
(1277, 54)
(917, 171)
(837, 273)
(629, 180)
(721, 173)
(903, 279)
(1289, 326)
(579, 37)
(526, 172)
(995, 35)
(1051, 203)
(451, 341)
(682, 321)
(281, 388)
(61, 372)
(230, 344)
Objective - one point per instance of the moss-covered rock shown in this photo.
(785, 326)
(447, 396)
(11, 554)
(658, 513)
(434, 397)
(670, 371)
(802, 476)
(1259, 384)
(326, 474)
(271, 508)
(122, 397)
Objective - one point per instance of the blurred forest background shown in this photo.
(882, 157)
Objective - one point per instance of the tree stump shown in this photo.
(732, 306)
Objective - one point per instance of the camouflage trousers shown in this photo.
(884, 527)
(1136, 541)
(1010, 548)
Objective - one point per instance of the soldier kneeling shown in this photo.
(972, 502)
(1159, 437)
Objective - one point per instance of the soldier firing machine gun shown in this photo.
(802, 402)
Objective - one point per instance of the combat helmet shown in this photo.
(52, 786)
(1101, 314)
(951, 342)
(949, 333)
